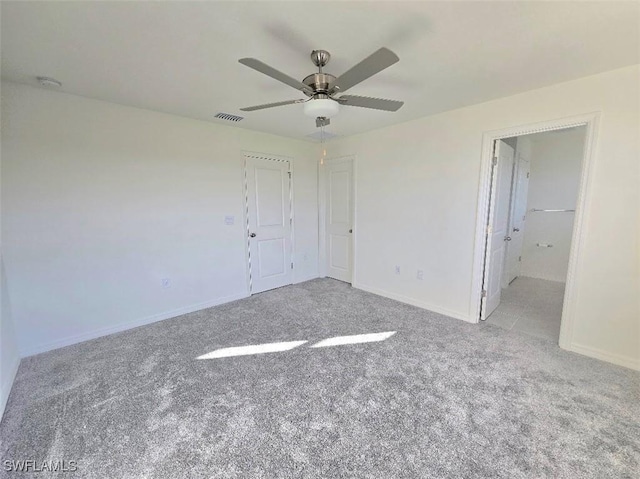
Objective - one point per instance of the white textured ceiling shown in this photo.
(182, 57)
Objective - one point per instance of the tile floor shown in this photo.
(531, 306)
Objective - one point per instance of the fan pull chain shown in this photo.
(324, 149)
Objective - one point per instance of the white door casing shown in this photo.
(268, 223)
(517, 218)
(577, 258)
(339, 218)
(498, 222)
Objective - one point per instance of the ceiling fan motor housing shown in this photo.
(319, 83)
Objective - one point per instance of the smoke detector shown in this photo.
(49, 82)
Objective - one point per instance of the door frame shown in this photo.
(245, 211)
(591, 122)
(322, 217)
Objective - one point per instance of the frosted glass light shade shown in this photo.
(321, 107)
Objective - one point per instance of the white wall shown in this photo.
(9, 355)
(555, 168)
(417, 192)
(101, 201)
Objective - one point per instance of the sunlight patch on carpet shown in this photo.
(354, 339)
(253, 349)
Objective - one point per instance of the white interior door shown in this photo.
(269, 223)
(339, 226)
(497, 234)
(518, 219)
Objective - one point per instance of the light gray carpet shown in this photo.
(441, 398)
(532, 306)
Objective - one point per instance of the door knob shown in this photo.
(507, 238)
(350, 231)
(253, 235)
(515, 230)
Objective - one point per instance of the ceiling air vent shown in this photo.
(228, 117)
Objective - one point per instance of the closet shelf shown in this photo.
(535, 210)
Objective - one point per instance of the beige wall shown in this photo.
(417, 192)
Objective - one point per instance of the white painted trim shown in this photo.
(79, 338)
(578, 237)
(245, 222)
(322, 208)
(626, 361)
(413, 302)
(322, 222)
(555, 279)
(591, 121)
(306, 278)
(354, 218)
(7, 384)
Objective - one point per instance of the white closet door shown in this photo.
(269, 223)
(339, 226)
(498, 227)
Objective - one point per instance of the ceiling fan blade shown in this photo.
(271, 105)
(369, 102)
(374, 63)
(273, 73)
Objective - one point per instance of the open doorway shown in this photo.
(535, 189)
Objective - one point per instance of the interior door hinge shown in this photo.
(484, 293)
(495, 161)
(289, 174)
(291, 265)
(519, 258)
(527, 174)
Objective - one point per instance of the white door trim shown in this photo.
(591, 121)
(322, 224)
(245, 188)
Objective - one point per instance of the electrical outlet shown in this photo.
(420, 274)
(166, 283)
(397, 269)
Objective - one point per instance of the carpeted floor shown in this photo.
(531, 306)
(440, 398)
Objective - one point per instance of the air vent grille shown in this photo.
(228, 117)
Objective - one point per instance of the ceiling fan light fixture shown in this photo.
(321, 107)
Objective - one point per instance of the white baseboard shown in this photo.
(306, 278)
(414, 302)
(554, 279)
(7, 383)
(79, 338)
(626, 361)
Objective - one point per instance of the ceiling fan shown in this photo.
(321, 88)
